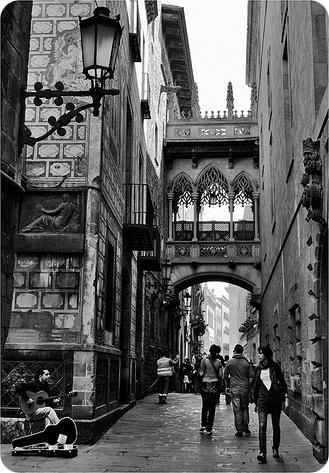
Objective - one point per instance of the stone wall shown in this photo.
(15, 29)
(288, 102)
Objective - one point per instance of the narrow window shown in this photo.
(287, 107)
(110, 288)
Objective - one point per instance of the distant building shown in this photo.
(237, 308)
(217, 317)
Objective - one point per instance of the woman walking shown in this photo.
(268, 392)
(211, 371)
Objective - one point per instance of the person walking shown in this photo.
(174, 378)
(195, 374)
(238, 379)
(227, 395)
(164, 372)
(269, 391)
(211, 371)
(187, 369)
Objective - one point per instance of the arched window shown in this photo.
(182, 208)
(182, 190)
(243, 227)
(243, 190)
(213, 188)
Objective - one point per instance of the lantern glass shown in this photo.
(100, 39)
(187, 300)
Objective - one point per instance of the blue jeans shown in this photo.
(240, 404)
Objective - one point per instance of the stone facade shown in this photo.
(287, 55)
(78, 305)
(15, 28)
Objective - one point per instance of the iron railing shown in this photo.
(137, 212)
(243, 230)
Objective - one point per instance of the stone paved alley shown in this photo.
(165, 438)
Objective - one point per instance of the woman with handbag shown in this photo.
(211, 371)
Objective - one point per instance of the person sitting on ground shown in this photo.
(41, 383)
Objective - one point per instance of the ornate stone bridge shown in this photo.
(212, 166)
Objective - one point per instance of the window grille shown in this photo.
(213, 187)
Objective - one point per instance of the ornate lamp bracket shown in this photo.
(58, 124)
(312, 198)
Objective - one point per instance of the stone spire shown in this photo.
(229, 100)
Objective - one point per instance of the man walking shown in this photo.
(238, 377)
(164, 372)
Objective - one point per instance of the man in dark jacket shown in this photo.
(269, 391)
(238, 376)
(41, 383)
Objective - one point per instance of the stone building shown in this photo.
(287, 63)
(87, 301)
(15, 28)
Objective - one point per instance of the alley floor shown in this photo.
(165, 438)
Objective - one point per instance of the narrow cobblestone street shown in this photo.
(165, 438)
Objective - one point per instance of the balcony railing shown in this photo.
(138, 226)
(202, 251)
(135, 32)
(146, 92)
(136, 208)
(214, 231)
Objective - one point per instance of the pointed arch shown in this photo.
(243, 189)
(182, 189)
(212, 186)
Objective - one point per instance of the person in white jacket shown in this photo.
(164, 372)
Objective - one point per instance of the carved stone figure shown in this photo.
(312, 198)
(60, 219)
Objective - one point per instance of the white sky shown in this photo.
(217, 33)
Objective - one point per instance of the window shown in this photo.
(287, 106)
(110, 288)
(129, 142)
(295, 352)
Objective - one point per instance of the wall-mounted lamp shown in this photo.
(187, 301)
(100, 39)
(162, 286)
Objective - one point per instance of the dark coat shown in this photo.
(276, 395)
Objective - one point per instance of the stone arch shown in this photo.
(243, 189)
(244, 276)
(244, 181)
(181, 182)
(213, 186)
(182, 189)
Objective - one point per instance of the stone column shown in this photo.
(256, 213)
(195, 220)
(170, 196)
(231, 206)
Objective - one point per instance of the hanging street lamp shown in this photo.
(100, 39)
(187, 301)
